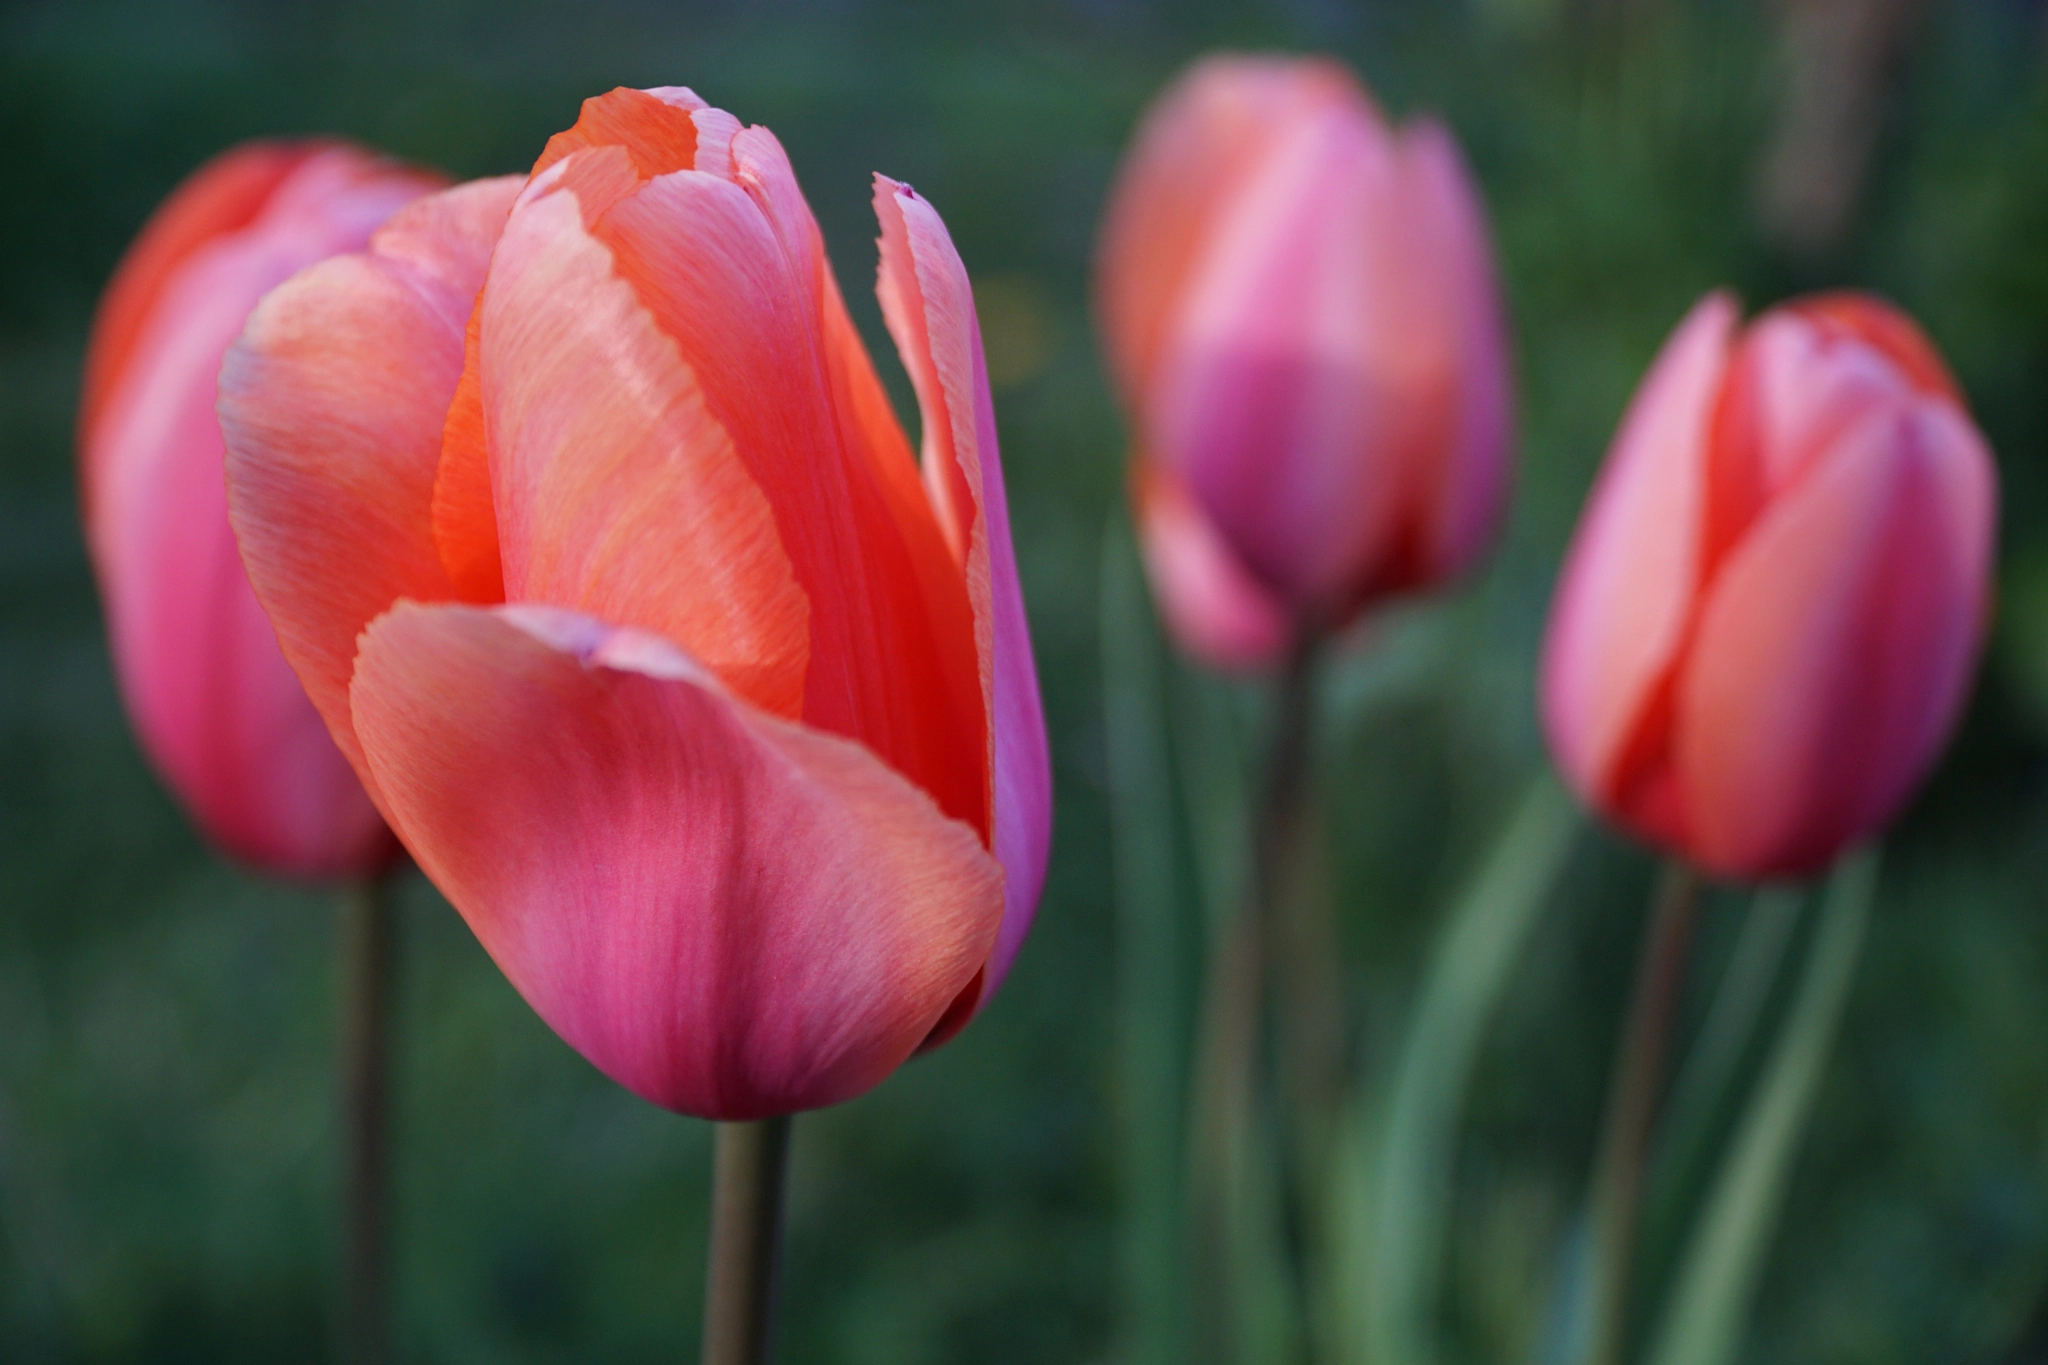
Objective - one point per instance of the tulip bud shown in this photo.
(1300, 311)
(584, 518)
(218, 711)
(1767, 623)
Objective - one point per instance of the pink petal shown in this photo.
(731, 915)
(1214, 608)
(1291, 393)
(1625, 597)
(1464, 491)
(929, 307)
(617, 492)
(332, 404)
(1835, 651)
(215, 703)
(1198, 142)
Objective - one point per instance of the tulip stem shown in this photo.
(1234, 1017)
(1632, 1105)
(366, 931)
(746, 1241)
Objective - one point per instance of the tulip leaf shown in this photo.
(1398, 1177)
(1708, 1309)
(1151, 1019)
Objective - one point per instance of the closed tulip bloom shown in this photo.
(1299, 307)
(1771, 611)
(582, 514)
(218, 711)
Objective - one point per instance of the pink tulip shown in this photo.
(1769, 618)
(1301, 314)
(587, 524)
(217, 709)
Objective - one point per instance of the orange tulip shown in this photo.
(217, 709)
(1300, 311)
(1772, 608)
(585, 520)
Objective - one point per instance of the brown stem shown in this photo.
(366, 954)
(746, 1241)
(1233, 1019)
(1632, 1105)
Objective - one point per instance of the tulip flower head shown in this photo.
(1300, 310)
(217, 709)
(586, 521)
(1767, 623)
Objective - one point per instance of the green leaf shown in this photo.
(1399, 1182)
(1150, 1017)
(1708, 1309)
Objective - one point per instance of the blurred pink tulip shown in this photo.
(1301, 315)
(1769, 618)
(583, 516)
(217, 709)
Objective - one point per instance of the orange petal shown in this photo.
(731, 915)
(333, 404)
(715, 270)
(617, 492)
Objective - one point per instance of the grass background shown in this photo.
(166, 1161)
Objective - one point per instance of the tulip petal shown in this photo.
(1835, 649)
(617, 492)
(731, 915)
(1213, 606)
(655, 128)
(332, 404)
(1624, 599)
(223, 196)
(1198, 143)
(929, 307)
(1465, 490)
(737, 291)
(1305, 364)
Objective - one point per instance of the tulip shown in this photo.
(1772, 608)
(1301, 316)
(586, 522)
(218, 711)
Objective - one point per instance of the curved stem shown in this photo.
(1632, 1108)
(746, 1241)
(366, 955)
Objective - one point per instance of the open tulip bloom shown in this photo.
(586, 522)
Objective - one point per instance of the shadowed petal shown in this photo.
(1216, 610)
(730, 915)
(929, 307)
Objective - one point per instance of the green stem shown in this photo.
(366, 954)
(1632, 1109)
(746, 1241)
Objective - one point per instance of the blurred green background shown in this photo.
(167, 1169)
